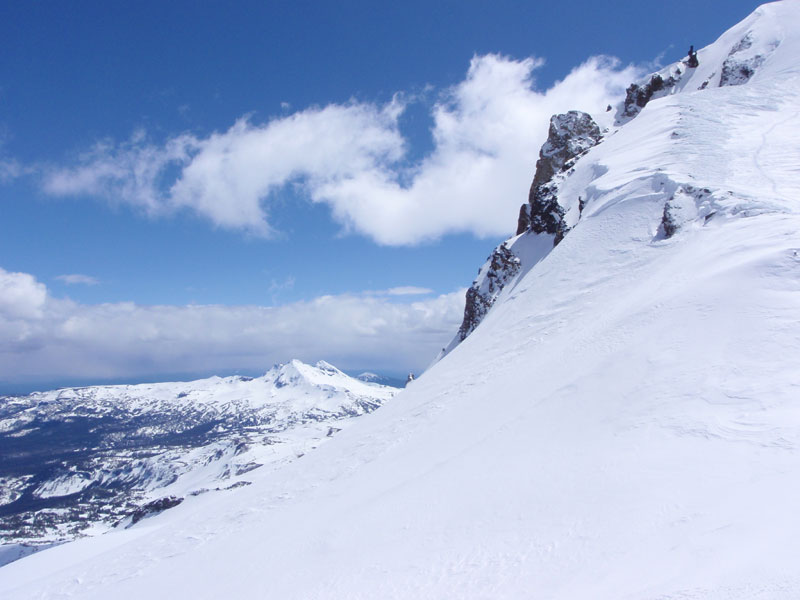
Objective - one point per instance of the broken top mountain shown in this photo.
(622, 422)
(79, 461)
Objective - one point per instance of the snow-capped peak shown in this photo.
(297, 376)
(128, 447)
(749, 50)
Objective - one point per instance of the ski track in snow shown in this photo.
(766, 144)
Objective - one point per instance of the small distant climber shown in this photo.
(410, 378)
(692, 62)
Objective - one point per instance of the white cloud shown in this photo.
(408, 290)
(78, 279)
(487, 132)
(21, 296)
(402, 290)
(232, 172)
(44, 337)
(130, 172)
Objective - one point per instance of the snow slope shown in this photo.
(623, 424)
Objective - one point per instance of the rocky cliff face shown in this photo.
(555, 205)
(501, 266)
(571, 135)
(639, 94)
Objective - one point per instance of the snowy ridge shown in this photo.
(703, 165)
(124, 446)
(623, 424)
(732, 60)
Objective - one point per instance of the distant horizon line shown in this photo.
(25, 387)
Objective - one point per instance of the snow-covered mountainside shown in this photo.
(694, 175)
(78, 460)
(624, 422)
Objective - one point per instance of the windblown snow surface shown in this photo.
(624, 424)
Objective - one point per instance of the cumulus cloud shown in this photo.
(21, 296)
(45, 337)
(486, 130)
(78, 279)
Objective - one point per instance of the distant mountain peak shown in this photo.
(122, 448)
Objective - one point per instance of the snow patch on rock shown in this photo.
(744, 59)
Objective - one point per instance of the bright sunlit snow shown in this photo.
(623, 423)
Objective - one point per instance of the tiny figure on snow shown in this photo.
(692, 62)
(410, 378)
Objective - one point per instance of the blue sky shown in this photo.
(349, 161)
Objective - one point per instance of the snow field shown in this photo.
(624, 423)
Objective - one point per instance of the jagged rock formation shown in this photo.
(499, 268)
(554, 206)
(742, 62)
(639, 94)
(685, 206)
(571, 134)
(155, 507)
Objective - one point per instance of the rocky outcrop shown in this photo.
(553, 207)
(500, 267)
(638, 95)
(570, 136)
(739, 72)
(155, 507)
(683, 208)
(543, 213)
(741, 64)
(670, 222)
